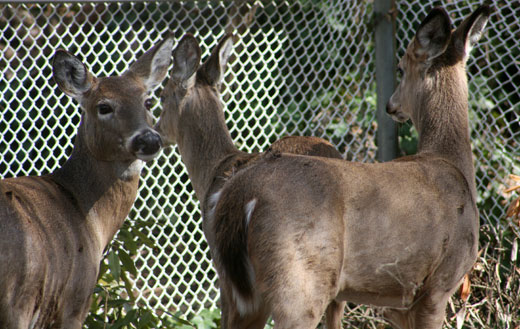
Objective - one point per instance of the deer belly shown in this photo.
(385, 277)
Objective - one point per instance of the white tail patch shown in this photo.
(212, 204)
(249, 208)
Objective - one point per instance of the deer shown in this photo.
(291, 234)
(192, 118)
(54, 227)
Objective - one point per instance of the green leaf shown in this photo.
(144, 239)
(128, 263)
(121, 322)
(118, 302)
(128, 241)
(179, 320)
(146, 320)
(102, 269)
(114, 265)
(128, 286)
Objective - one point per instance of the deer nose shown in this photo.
(147, 145)
(389, 108)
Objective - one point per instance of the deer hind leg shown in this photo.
(232, 319)
(297, 308)
(334, 314)
(428, 312)
(256, 320)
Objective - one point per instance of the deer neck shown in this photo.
(203, 142)
(443, 125)
(104, 191)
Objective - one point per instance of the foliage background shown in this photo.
(301, 67)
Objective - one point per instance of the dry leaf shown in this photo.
(465, 288)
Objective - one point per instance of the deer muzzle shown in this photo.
(146, 145)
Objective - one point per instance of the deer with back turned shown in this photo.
(291, 234)
(193, 118)
(54, 228)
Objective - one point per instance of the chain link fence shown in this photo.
(299, 68)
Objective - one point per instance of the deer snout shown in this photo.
(146, 145)
(394, 110)
(390, 109)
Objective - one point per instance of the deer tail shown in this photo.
(232, 212)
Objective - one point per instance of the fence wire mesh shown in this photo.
(299, 68)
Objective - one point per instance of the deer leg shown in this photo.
(72, 323)
(232, 319)
(19, 322)
(428, 312)
(17, 316)
(224, 309)
(334, 314)
(399, 319)
(255, 320)
(300, 311)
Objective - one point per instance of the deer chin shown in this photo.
(399, 117)
(133, 170)
(146, 157)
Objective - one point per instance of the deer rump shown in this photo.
(313, 229)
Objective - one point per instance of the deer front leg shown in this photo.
(72, 323)
(334, 314)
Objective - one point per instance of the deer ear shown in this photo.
(215, 66)
(433, 35)
(152, 66)
(470, 30)
(70, 74)
(186, 60)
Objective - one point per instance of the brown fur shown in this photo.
(306, 146)
(193, 118)
(293, 234)
(54, 228)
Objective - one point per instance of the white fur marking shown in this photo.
(133, 170)
(224, 53)
(34, 319)
(250, 207)
(159, 65)
(212, 204)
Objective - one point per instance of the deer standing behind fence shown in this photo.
(193, 118)
(53, 228)
(289, 234)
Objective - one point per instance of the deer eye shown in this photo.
(149, 103)
(104, 109)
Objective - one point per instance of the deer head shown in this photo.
(116, 118)
(434, 54)
(192, 96)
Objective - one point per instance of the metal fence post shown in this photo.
(384, 16)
